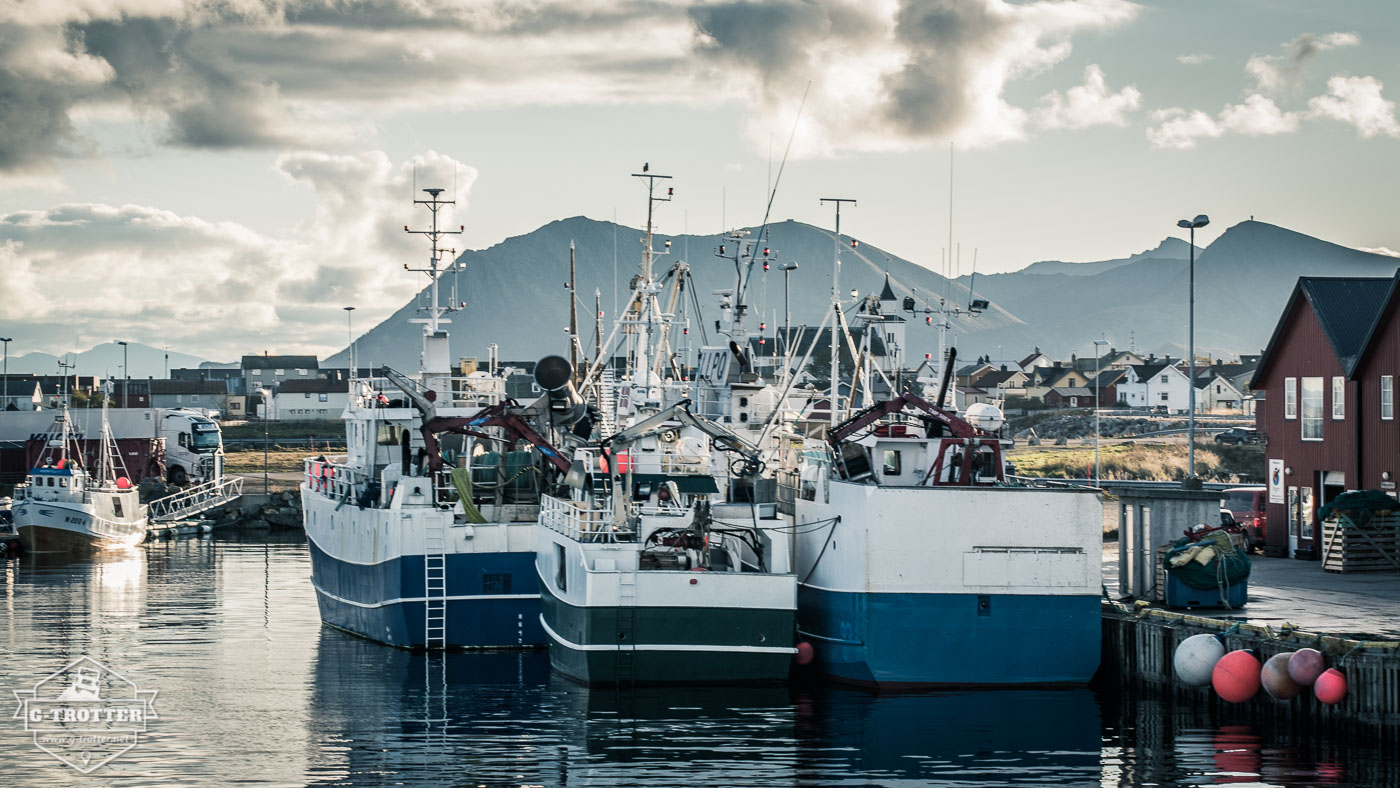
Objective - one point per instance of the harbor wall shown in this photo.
(1139, 646)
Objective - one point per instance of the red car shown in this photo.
(1247, 505)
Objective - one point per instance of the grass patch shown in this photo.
(278, 460)
(333, 428)
(1142, 462)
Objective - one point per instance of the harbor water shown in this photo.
(252, 690)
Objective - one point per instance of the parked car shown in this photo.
(1160, 409)
(1238, 435)
(1246, 504)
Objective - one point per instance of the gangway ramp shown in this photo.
(194, 500)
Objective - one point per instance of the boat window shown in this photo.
(892, 463)
(388, 435)
(62, 482)
(117, 507)
(50, 481)
(561, 577)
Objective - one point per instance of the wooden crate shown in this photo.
(1374, 547)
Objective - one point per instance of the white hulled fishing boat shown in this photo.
(61, 507)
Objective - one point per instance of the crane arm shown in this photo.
(879, 410)
(723, 438)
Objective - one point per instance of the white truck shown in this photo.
(180, 445)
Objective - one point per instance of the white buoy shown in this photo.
(1195, 659)
(206, 528)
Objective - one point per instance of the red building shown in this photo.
(1328, 411)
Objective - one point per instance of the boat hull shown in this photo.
(667, 645)
(491, 599)
(56, 527)
(895, 640)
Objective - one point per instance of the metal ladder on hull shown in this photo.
(626, 670)
(434, 587)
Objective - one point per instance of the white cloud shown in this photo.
(150, 274)
(885, 74)
(1178, 128)
(1257, 116)
(1194, 59)
(1388, 252)
(1280, 73)
(1358, 101)
(1090, 104)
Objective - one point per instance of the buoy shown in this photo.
(123, 483)
(1195, 659)
(1236, 676)
(805, 653)
(1330, 687)
(1306, 665)
(1276, 680)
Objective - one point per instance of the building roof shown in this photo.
(312, 386)
(887, 294)
(1073, 391)
(997, 377)
(1347, 307)
(279, 362)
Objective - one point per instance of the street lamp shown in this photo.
(1191, 224)
(126, 377)
(787, 311)
(1098, 386)
(266, 395)
(349, 342)
(5, 399)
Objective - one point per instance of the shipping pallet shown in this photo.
(1373, 547)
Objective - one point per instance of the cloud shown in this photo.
(150, 274)
(1358, 101)
(1256, 116)
(1089, 104)
(1280, 73)
(1388, 252)
(1194, 59)
(314, 75)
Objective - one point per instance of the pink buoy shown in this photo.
(805, 653)
(1276, 680)
(1236, 676)
(1331, 687)
(123, 483)
(1306, 665)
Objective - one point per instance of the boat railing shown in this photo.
(333, 480)
(582, 523)
(685, 465)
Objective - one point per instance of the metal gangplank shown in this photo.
(194, 500)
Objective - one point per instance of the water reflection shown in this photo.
(253, 689)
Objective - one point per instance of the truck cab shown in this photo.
(194, 447)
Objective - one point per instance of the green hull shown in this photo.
(668, 645)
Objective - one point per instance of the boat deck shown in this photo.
(1361, 606)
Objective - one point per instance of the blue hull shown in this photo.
(895, 640)
(492, 599)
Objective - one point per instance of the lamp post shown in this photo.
(266, 395)
(1191, 224)
(5, 399)
(1098, 386)
(787, 311)
(126, 377)
(349, 342)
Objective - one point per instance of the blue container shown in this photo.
(1181, 595)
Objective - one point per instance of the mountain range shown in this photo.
(105, 360)
(516, 297)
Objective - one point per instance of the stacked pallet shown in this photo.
(1351, 547)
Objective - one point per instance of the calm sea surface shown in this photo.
(253, 691)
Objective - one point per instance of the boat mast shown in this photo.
(646, 285)
(436, 355)
(573, 316)
(836, 307)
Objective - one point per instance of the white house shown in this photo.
(310, 400)
(1215, 391)
(1159, 383)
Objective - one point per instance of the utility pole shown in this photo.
(836, 306)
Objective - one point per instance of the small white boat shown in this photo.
(61, 507)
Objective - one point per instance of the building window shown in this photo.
(1164, 378)
(1339, 398)
(1164, 396)
(301, 372)
(1290, 398)
(1217, 389)
(308, 395)
(1312, 409)
(194, 398)
(1387, 397)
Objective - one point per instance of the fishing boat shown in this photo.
(647, 579)
(923, 565)
(422, 535)
(648, 573)
(62, 507)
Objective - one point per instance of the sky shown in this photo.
(224, 177)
